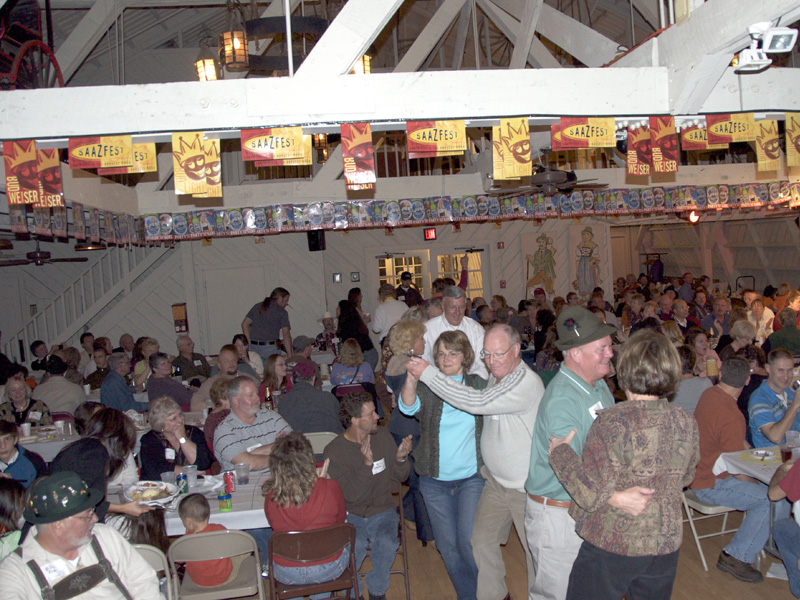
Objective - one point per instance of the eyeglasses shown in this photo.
(451, 354)
(495, 355)
(88, 517)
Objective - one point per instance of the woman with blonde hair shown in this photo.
(673, 332)
(297, 498)
(351, 367)
(141, 368)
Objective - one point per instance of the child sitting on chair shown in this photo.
(194, 512)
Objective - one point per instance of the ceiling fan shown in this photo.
(38, 257)
(544, 180)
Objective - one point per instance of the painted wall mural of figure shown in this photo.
(542, 264)
(587, 266)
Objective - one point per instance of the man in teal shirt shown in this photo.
(570, 403)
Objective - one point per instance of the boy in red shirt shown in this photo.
(194, 512)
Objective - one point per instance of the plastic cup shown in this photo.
(26, 429)
(786, 452)
(795, 454)
(191, 475)
(242, 473)
(60, 428)
(87, 389)
(168, 477)
(793, 438)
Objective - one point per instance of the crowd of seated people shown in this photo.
(725, 350)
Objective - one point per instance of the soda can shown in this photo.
(182, 483)
(225, 503)
(230, 481)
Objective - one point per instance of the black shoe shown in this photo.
(741, 570)
(374, 597)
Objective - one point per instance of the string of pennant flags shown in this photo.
(123, 229)
(33, 176)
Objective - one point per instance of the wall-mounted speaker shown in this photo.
(316, 241)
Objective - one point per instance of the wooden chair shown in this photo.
(691, 504)
(158, 560)
(397, 490)
(310, 546)
(216, 545)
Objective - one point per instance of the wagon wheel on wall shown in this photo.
(35, 66)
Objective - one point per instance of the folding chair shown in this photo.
(158, 560)
(311, 546)
(216, 545)
(397, 490)
(692, 503)
(319, 440)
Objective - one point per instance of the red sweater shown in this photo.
(324, 508)
(209, 572)
(722, 429)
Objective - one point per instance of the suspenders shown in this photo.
(80, 581)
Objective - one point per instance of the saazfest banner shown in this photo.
(430, 139)
(96, 152)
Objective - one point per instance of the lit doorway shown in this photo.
(424, 269)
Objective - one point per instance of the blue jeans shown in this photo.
(451, 507)
(786, 534)
(751, 498)
(379, 532)
(313, 573)
(263, 351)
(261, 536)
(413, 502)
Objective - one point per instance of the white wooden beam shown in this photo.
(526, 33)
(430, 36)
(776, 88)
(539, 55)
(348, 37)
(273, 101)
(85, 36)
(464, 23)
(587, 45)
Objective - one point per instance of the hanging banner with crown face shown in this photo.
(189, 162)
(792, 124)
(277, 144)
(768, 148)
(358, 156)
(213, 170)
(429, 139)
(588, 132)
(664, 144)
(22, 177)
(512, 149)
(144, 161)
(105, 151)
(724, 129)
(555, 137)
(48, 165)
(696, 138)
(639, 153)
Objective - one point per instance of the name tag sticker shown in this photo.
(251, 448)
(198, 362)
(169, 453)
(379, 466)
(35, 415)
(594, 410)
(55, 570)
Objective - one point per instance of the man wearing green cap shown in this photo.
(571, 401)
(68, 554)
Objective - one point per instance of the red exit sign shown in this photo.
(430, 233)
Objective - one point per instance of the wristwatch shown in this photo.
(182, 441)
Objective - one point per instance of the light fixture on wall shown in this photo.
(233, 53)
(88, 246)
(206, 64)
(773, 40)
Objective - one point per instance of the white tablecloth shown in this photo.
(49, 448)
(247, 513)
(744, 462)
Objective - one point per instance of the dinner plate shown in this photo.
(28, 439)
(141, 491)
(46, 429)
(762, 453)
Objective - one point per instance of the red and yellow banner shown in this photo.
(696, 138)
(358, 156)
(724, 129)
(144, 161)
(276, 143)
(555, 137)
(639, 154)
(96, 152)
(512, 149)
(664, 144)
(213, 167)
(792, 139)
(768, 148)
(429, 139)
(48, 165)
(305, 159)
(189, 162)
(588, 132)
(22, 176)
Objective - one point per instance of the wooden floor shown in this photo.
(429, 579)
